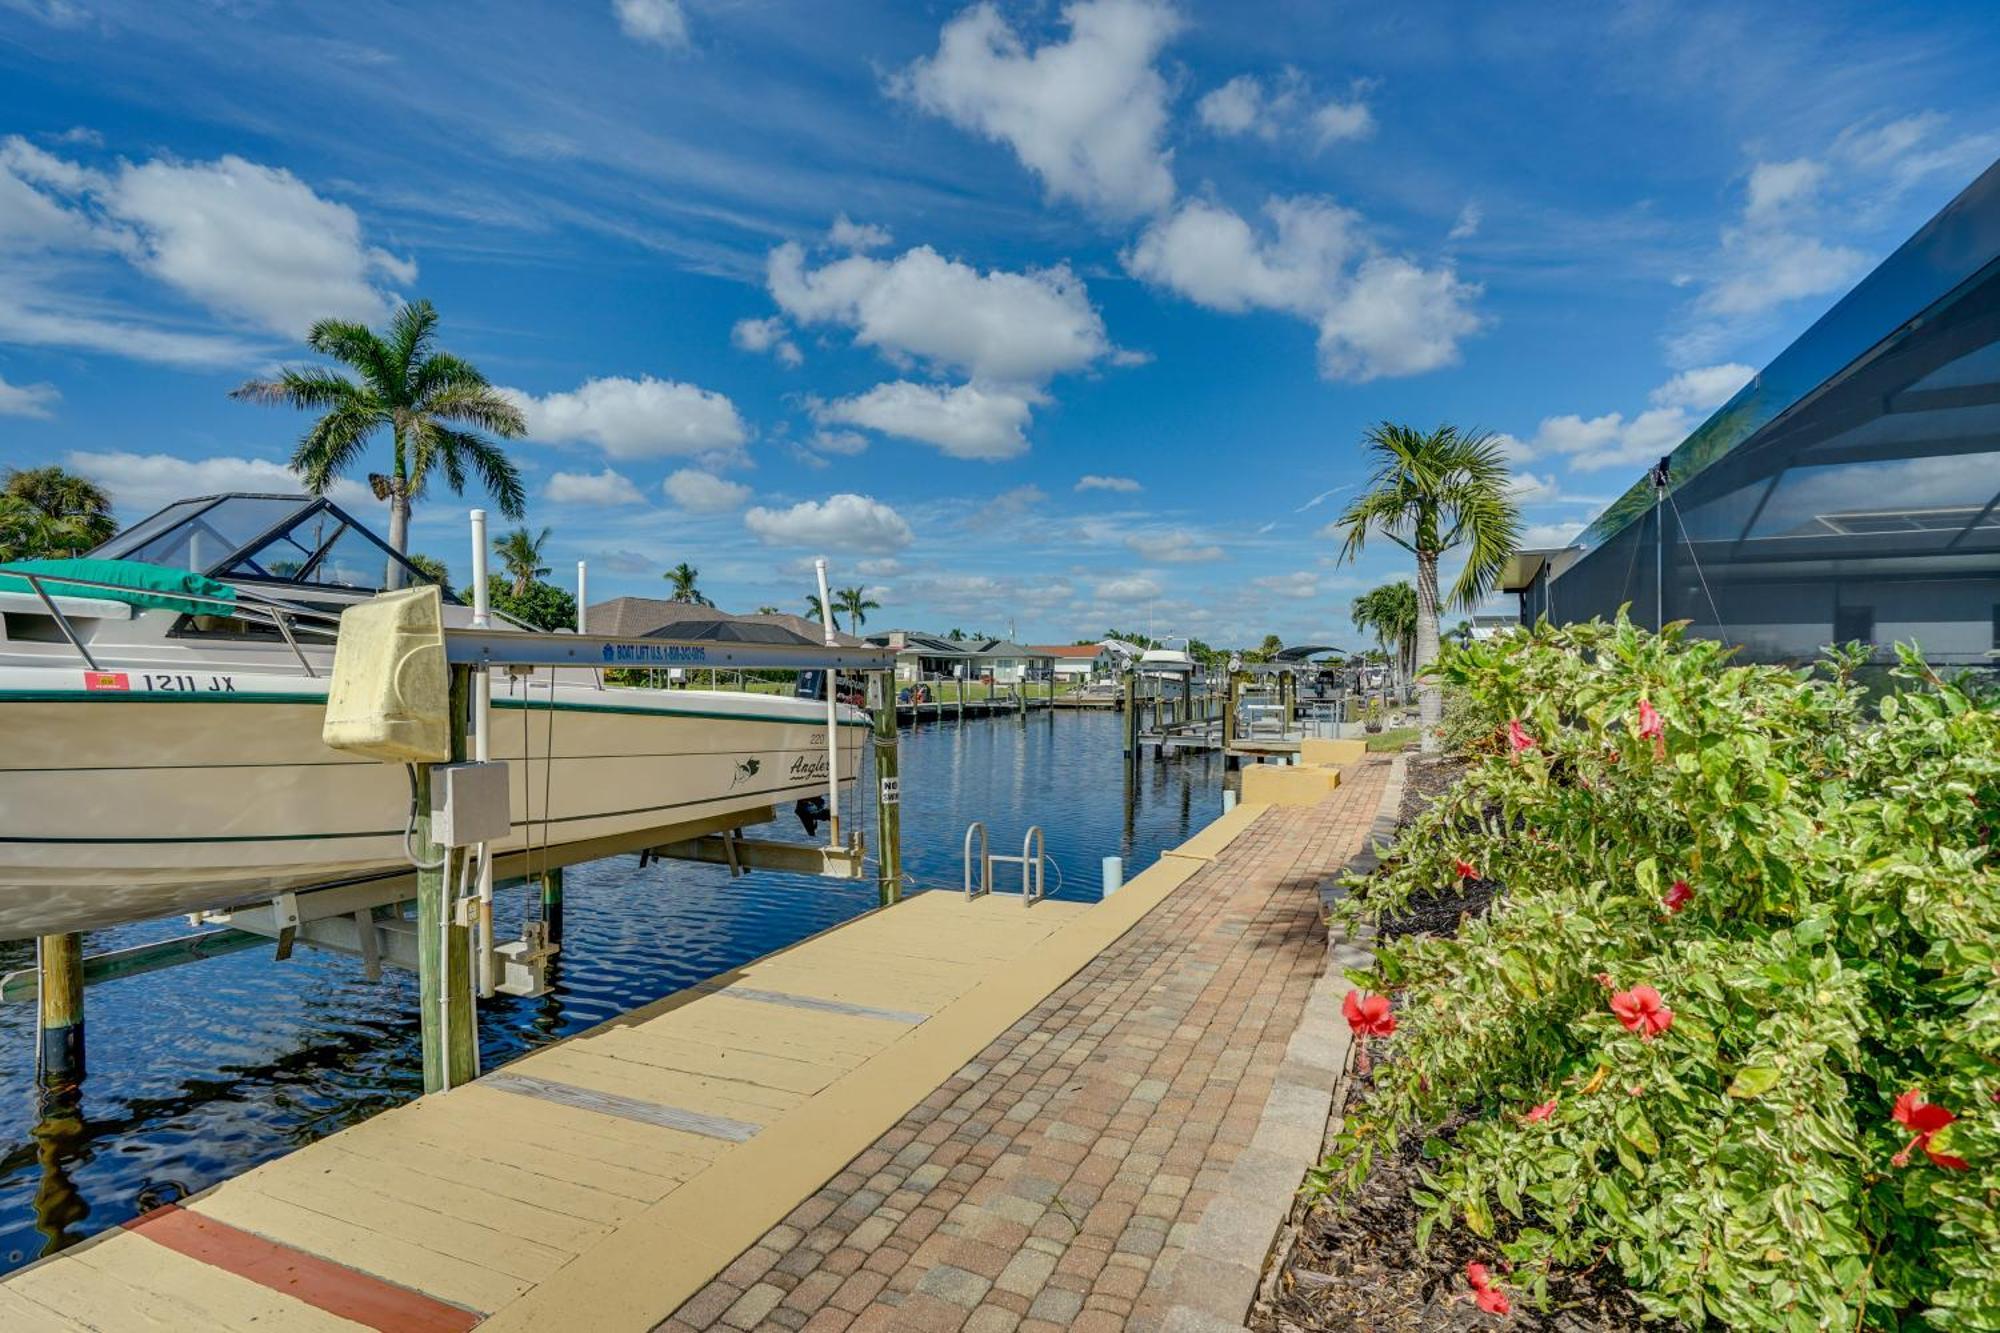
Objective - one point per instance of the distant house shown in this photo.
(1078, 661)
(921, 657)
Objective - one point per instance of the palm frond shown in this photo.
(333, 444)
(496, 471)
(310, 388)
(479, 406)
(411, 332)
(440, 371)
(357, 345)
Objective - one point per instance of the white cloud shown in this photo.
(1774, 187)
(705, 493)
(28, 400)
(1769, 268)
(608, 487)
(1377, 314)
(145, 482)
(1237, 108)
(1301, 584)
(1174, 547)
(1094, 482)
(856, 236)
(642, 418)
(1614, 440)
(1468, 222)
(1131, 588)
(844, 442)
(965, 421)
(840, 522)
(1016, 327)
(881, 569)
(249, 242)
(660, 22)
(766, 335)
(1541, 536)
(1339, 122)
(1086, 114)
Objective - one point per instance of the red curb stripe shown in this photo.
(335, 1288)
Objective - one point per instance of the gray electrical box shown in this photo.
(469, 803)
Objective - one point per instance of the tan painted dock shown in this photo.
(599, 1182)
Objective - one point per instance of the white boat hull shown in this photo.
(183, 792)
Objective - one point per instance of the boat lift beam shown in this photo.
(489, 647)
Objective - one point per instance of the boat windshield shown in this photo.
(298, 540)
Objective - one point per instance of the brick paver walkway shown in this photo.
(1055, 1181)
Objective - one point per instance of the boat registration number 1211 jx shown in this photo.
(158, 683)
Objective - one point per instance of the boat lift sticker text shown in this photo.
(653, 653)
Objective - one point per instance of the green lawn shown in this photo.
(1392, 740)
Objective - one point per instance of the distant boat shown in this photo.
(1166, 660)
(162, 699)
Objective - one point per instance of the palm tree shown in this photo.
(520, 553)
(430, 567)
(1461, 633)
(1430, 494)
(857, 604)
(684, 577)
(424, 396)
(46, 511)
(1390, 611)
(768, 611)
(814, 611)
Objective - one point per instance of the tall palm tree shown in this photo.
(1390, 612)
(857, 604)
(1432, 493)
(520, 553)
(814, 611)
(434, 404)
(685, 579)
(45, 511)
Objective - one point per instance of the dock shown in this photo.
(942, 1106)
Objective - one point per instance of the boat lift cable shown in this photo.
(410, 830)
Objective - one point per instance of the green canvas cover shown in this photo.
(132, 582)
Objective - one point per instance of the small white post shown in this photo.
(582, 596)
(482, 750)
(832, 711)
(1228, 801)
(1114, 874)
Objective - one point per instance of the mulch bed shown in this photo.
(1352, 1262)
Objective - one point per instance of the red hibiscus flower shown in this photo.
(1466, 870)
(1542, 1112)
(1367, 1014)
(1518, 737)
(1484, 1294)
(1679, 896)
(1642, 1011)
(1924, 1120)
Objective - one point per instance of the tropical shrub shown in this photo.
(1733, 1022)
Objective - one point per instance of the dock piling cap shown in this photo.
(389, 698)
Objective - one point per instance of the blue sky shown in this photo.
(1057, 315)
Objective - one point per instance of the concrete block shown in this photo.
(1334, 753)
(1269, 784)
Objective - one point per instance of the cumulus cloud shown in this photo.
(1468, 222)
(144, 482)
(1015, 327)
(1130, 588)
(251, 243)
(1236, 108)
(846, 235)
(1176, 546)
(1615, 440)
(1338, 122)
(1377, 314)
(642, 418)
(844, 442)
(840, 522)
(701, 492)
(1250, 106)
(28, 400)
(766, 335)
(1300, 585)
(659, 22)
(1094, 482)
(1086, 114)
(608, 487)
(966, 421)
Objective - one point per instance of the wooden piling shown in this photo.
(444, 945)
(888, 798)
(59, 1005)
(1131, 716)
(552, 903)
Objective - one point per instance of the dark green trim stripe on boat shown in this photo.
(204, 696)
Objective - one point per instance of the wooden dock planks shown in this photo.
(554, 1190)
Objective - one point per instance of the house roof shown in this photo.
(638, 617)
(1068, 650)
(932, 645)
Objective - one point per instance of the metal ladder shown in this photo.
(1033, 861)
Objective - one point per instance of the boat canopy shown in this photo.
(135, 584)
(295, 541)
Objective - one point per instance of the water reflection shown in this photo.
(200, 1072)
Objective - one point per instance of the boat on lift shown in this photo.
(162, 701)
(1163, 659)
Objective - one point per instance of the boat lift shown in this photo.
(449, 942)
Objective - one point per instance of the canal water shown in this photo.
(200, 1072)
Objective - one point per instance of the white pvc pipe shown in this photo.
(832, 711)
(1114, 874)
(582, 596)
(482, 750)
